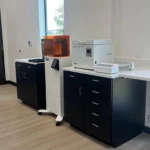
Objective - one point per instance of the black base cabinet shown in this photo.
(74, 112)
(111, 110)
(31, 84)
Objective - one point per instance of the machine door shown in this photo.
(103, 53)
(82, 56)
(52, 77)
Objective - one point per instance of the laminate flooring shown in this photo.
(22, 129)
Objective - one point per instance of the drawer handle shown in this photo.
(95, 103)
(29, 67)
(95, 125)
(95, 80)
(95, 92)
(94, 114)
(71, 76)
(18, 65)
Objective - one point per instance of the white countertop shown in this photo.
(26, 60)
(139, 73)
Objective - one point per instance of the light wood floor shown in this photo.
(22, 129)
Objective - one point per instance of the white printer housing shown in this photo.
(87, 54)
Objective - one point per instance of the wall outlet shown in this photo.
(138, 54)
(149, 117)
(147, 120)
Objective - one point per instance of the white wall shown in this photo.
(132, 36)
(133, 29)
(88, 19)
(20, 24)
(84, 19)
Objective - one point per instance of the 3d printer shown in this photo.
(57, 55)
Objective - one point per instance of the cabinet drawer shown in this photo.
(100, 115)
(30, 67)
(99, 102)
(26, 71)
(71, 77)
(99, 107)
(18, 65)
(98, 125)
(25, 66)
(29, 73)
(97, 94)
(30, 70)
(102, 84)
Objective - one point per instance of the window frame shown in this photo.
(46, 20)
(45, 12)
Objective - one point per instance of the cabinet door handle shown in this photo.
(71, 76)
(95, 92)
(95, 103)
(94, 114)
(95, 125)
(24, 75)
(95, 80)
(29, 67)
(80, 91)
(2, 48)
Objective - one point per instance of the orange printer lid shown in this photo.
(57, 46)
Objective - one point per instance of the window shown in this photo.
(54, 17)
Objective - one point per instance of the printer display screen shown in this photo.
(89, 52)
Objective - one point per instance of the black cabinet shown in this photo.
(31, 84)
(112, 110)
(74, 112)
(2, 65)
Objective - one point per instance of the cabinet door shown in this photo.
(73, 100)
(26, 83)
(2, 67)
(21, 90)
(30, 86)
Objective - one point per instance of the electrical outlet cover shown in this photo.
(30, 43)
(138, 54)
(147, 119)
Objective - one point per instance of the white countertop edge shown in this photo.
(27, 62)
(135, 78)
(140, 73)
(90, 72)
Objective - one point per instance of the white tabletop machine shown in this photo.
(97, 55)
(86, 55)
